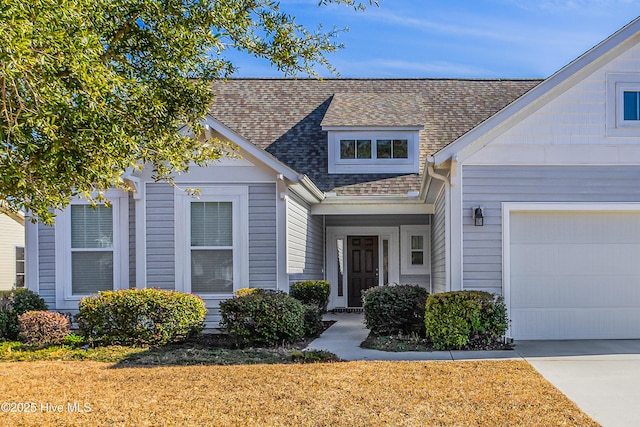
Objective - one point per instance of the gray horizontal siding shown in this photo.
(489, 186)
(305, 242)
(438, 246)
(47, 264)
(262, 236)
(375, 220)
(160, 236)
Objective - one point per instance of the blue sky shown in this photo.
(456, 38)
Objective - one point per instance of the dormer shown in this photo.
(374, 133)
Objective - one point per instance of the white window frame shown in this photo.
(374, 165)
(119, 203)
(15, 265)
(239, 197)
(617, 84)
(406, 232)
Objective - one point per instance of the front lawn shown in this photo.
(478, 393)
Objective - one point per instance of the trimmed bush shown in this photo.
(13, 304)
(140, 317)
(312, 320)
(471, 319)
(263, 318)
(314, 292)
(43, 327)
(246, 291)
(390, 310)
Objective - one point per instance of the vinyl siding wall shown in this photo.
(305, 242)
(47, 264)
(489, 186)
(263, 251)
(160, 236)
(12, 236)
(438, 246)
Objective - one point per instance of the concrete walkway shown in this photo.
(343, 339)
(601, 376)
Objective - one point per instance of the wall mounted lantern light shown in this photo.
(478, 216)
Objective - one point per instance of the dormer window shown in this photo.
(374, 152)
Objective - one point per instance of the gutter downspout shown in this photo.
(447, 232)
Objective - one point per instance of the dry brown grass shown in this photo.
(485, 393)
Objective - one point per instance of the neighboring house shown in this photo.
(11, 250)
(525, 188)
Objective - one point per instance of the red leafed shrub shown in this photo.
(43, 327)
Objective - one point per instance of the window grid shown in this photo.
(367, 149)
(19, 280)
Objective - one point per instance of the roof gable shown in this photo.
(541, 95)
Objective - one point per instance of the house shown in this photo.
(11, 249)
(524, 188)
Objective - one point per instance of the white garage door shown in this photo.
(574, 275)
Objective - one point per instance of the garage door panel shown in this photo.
(574, 275)
(576, 324)
(573, 227)
(581, 292)
(569, 259)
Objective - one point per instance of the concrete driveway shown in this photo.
(601, 376)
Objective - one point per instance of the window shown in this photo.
(351, 149)
(415, 249)
(211, 247)
(212, 240)
(392, 148)
(374, 152)
(91, 249)
(631, 105)
(623, 104)
(19, 267)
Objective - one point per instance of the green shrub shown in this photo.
(140, 317)
(312, 321)
(43, 327)
(315, 292)
(263, 318)
(13, 304)
(390, 310)
(472, 319)
(74, 340)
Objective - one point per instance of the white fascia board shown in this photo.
(550, 88)
(372, 128)
(254, 151)
(371, 206)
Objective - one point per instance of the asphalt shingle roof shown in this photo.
(285, 118)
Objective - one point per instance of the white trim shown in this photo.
(372, 128)
(533, 155)
(617, 84)
(392, 234)
(141, 237)
(374, 206)
(406, 232)
(455, 231)
(120, 204)
(510, 207)
(239, 197)
(373, 165)
(31, 256)
(282, 237)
